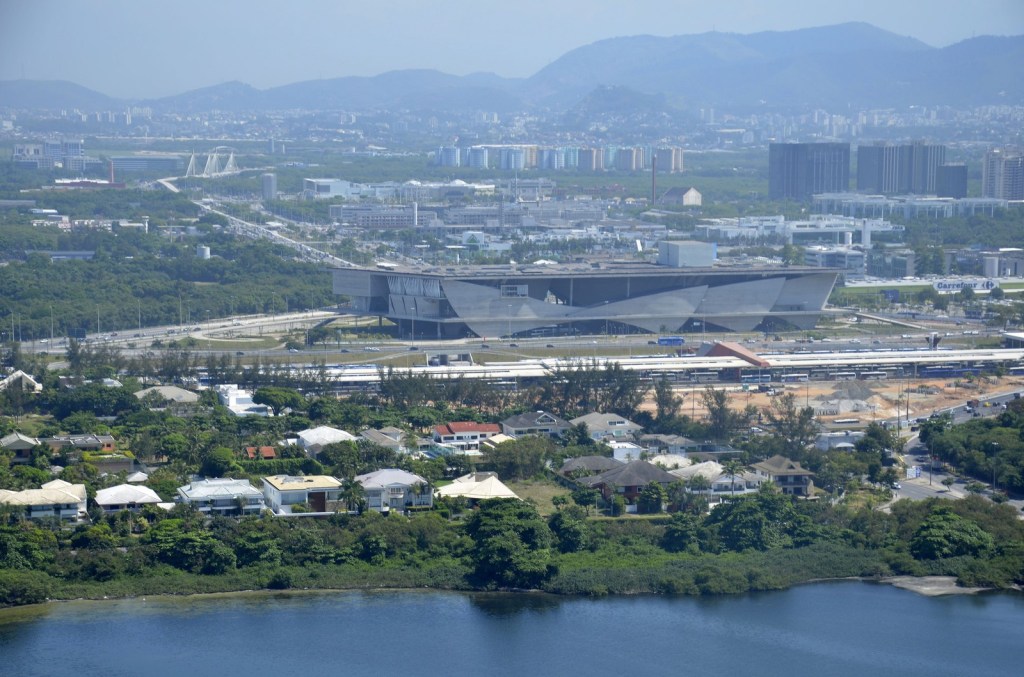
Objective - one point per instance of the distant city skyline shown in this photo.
(131, 49)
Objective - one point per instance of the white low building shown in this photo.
(321, 492)
(223, 496)
(394, 489)
(312, 440)
(239, 402)
(58, 498)
(125, 497)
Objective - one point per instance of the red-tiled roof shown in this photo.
(467, 427)
(264, 452)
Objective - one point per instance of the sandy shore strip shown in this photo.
(931, 586)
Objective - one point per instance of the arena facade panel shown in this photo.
(567, 299)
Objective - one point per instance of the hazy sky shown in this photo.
(146, 48)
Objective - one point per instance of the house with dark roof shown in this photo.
(93, 443)
(789, 476)
(535, 423)
(20, 445)
(583, 466)
(668, 444)
(629, 479)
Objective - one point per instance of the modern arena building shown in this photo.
(567, 299)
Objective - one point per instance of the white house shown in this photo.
(393, 489)
(321, 492)
(125, 497)
(239, 402)
(54, 499)
(223, 496)
(464, 436)
(312, 440)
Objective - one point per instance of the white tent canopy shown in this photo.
(477, 486)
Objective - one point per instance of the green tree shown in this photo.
(945, 534)
(793, 427)
(519, 459)
(512, 544)
(682, 534)
(586, 498)
(279, 398)
(722, 420)
(651, 499)
(220, 462)
(570, 529)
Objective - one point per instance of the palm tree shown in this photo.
(731, 468)
(352, 494)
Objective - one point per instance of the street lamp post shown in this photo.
(995, 453)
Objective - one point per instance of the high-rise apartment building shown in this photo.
(1002, 175)
(796, 171)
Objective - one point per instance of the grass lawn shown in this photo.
(540, 492)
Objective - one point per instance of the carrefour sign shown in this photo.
(955, 285)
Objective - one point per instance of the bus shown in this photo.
(671, 340)
(794, 378)
(844, 376)
(874, 375)
(756, 378)
(704, 376)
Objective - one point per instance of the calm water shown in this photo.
(826, 629)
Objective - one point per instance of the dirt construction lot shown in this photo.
(862, 400)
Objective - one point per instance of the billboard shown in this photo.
(953, 285)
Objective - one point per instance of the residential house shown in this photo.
(170, 394)
(464, 437)
(709, 470)
(788, 476)
(239, 402)
(728, 485)
(625, 451)
(608, 426)
(223, 496)
(669, 461)
(629, 479)
(19, 445)
(584, 466)
(393, 489)
(388, 437)
(20, 379)
(58, 498)
(103, 444)
(321, 492)
(493, 441)
(668, 444)
(312, 440)
(125, 497)
(534, 423)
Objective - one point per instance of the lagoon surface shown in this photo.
(842, 628)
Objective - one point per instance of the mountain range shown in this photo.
(852, 64)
